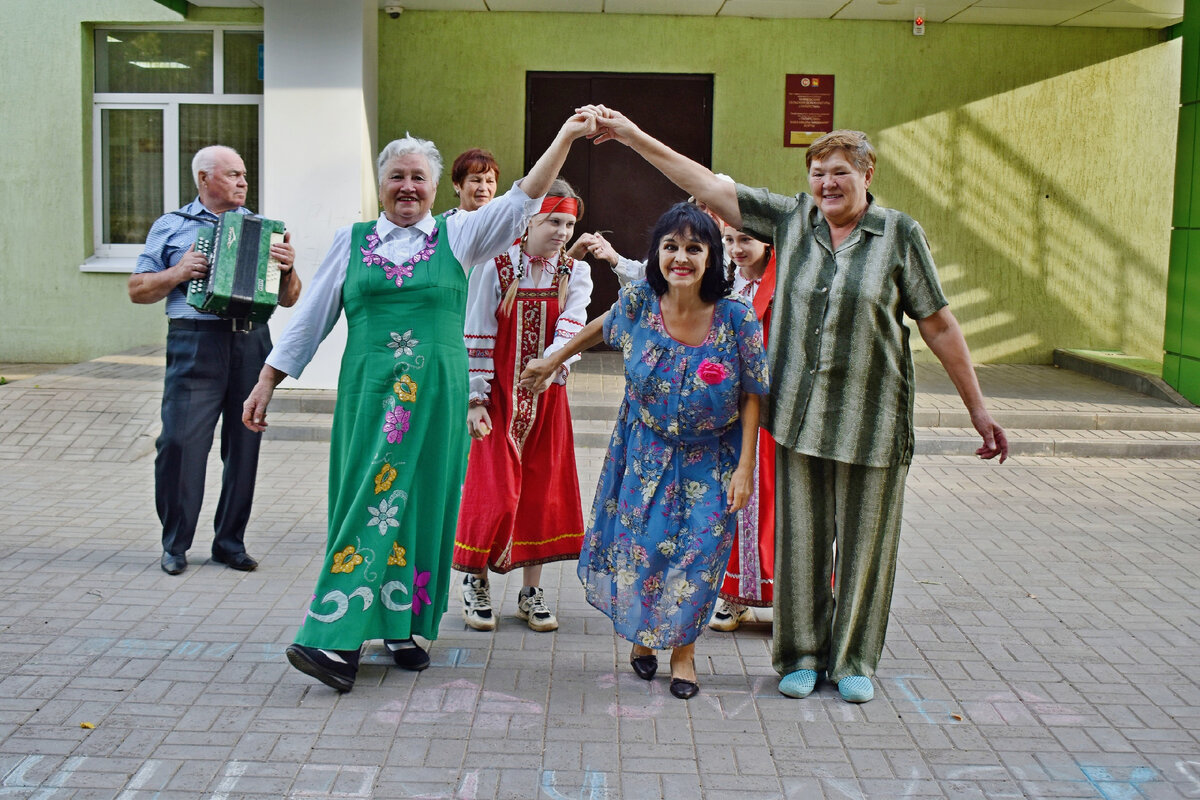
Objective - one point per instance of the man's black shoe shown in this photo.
(173, 564)
(325, 666)
(407, 654)
(239, 561)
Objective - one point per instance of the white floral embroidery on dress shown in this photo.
(383, 517)
(403, 343)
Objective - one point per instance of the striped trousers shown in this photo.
(820, 502)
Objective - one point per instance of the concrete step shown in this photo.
(583, 407)
(1180, 420)
(1077, 442)
(1065, 443)
(1075, 424)
(303, 427)
(304, 401)
(316, 401)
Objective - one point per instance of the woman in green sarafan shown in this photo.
(399, 446)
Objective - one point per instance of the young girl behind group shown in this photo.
(520, 505)
(750, 575)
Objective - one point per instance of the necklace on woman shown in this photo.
(398, 272)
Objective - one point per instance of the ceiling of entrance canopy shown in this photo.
(1086, 13)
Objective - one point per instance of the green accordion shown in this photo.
(242, 280)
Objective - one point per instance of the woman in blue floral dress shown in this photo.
(681, 459)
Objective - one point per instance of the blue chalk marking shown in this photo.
(941, 707)
(60, 779)
(457, 657)
(186, 649)
(14, 780)
(595, 786)
(153, 648)
(1113, 788)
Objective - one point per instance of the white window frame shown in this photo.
(110, 257)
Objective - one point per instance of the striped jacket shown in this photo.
(842, 375)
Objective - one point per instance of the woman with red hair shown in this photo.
(475, 175)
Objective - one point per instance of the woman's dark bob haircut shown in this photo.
(686, 221)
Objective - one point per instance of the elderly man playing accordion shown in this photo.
(212, 363)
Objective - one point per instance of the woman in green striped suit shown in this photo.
(841, 400)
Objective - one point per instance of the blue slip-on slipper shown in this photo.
(856, 689)
(798, 684)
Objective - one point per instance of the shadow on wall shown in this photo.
(1048, 208)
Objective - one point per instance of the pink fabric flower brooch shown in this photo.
(712, 372)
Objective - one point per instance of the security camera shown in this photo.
(394, 10)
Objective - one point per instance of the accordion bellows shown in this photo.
(242, 280)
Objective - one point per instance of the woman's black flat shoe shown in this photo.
(645, 666)
(684, 689)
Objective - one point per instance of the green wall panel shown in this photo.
(1176, 283)
(1189, 336)
(1170, 372)
(1189, 379)
(1185, 165)
(1189, 86)
(1181, 327)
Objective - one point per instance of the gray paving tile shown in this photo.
(1044, 624)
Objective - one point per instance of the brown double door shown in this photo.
(621, 192)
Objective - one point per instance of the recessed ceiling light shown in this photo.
(159, 65)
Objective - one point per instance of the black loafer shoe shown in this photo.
(645, 666)
(239, 561)
(407, 654)
(317, 664)
(684, 689)
(173, 564)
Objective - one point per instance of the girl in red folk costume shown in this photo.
(520, 505)
(750, 576)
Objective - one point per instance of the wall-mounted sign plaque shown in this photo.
(807, 109)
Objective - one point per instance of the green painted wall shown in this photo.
(49, 310)
(1181, 339)
(976, 125)
(1033, 157)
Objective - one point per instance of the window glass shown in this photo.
(234, 126)
(242, 62)
(154, 61)
(132, 155)
(161, 95)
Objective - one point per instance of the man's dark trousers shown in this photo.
(210, 371)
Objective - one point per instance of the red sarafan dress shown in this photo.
(520, 502)
(750, 576)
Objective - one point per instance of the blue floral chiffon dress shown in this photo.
(658, 541)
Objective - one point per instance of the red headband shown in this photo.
(562, 205)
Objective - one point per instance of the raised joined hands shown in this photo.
(610, 124)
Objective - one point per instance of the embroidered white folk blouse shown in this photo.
(484, 296)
